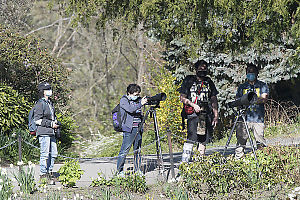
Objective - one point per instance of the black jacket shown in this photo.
(44, 110)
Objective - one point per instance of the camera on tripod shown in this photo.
(154, 100)
(246, 100)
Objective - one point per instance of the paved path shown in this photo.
(108, 167)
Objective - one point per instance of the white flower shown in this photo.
(1, 187)
(15, 195)
(64, 198)
(59, 188)
(45, 190)
(1, 181)
(81, 197)
(29, 162)
(3, 172)
(20, 163)
(14, 135)
(77, 195)
(11, 165)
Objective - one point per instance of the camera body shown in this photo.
(57, 130)
(154, 100)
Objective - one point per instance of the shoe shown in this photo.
(260, 146)
(52, 178)
(121, 174)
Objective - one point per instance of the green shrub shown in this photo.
(6, 187)
(133, 182)
(25, 178)
(13, 109)
(69, 173)
(220, 175)
(10, 153)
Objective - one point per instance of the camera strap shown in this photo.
(199, 91)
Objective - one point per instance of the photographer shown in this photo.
(47, 128)
(131, 112)
(255, 113)
(199, 96)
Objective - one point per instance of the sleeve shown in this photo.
(130, 108)
(214, 91)
(239, 92)
(265, 89)
(39, 116)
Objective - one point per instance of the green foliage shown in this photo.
(68, 136)
(132, 182)
(24, 64)
(169, 113)
(10, 153)
(6, 187)
(25, 178)
(220, 175)
(13, 109)
(175, 192)
(69, 173)
(229, 23)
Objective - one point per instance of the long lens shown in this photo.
(246, 100)
(156, 98)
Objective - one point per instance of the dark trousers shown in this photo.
(130, 138)
(198, 124)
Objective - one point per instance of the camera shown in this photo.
(154, 100)
(246, 100)
(57, 130)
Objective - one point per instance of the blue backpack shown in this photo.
(31, 123)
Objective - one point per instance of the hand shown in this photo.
(54, 125)
(196, 108)
(144, 100)
(214, 122)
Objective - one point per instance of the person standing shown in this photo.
(131, 112)
(254, 114)
(199, 96)
(47, 125)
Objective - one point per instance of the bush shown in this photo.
(216, 174)
(132, 182)
(13, 109)
(69, 173)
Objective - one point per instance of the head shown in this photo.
(45, 90)
(133, 91)
(201, 67)
(251, 72)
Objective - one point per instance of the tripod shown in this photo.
(152, 113)
(240, 114)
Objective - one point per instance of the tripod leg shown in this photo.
(250, 138)
(230, 135)
(158, 147)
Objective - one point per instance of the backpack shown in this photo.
(116, 118)
(31, 123)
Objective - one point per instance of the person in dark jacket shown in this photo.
(199, 95)
(131, 105)
(47, 126)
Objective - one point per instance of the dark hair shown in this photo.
(132, 88)
(199, 63)
(41, 94)
(252, 66)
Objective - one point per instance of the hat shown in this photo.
(44, 86)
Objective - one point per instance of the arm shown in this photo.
(262, 99)
(39, 116)
(214, 104)
(186, 101)
(131, 108)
